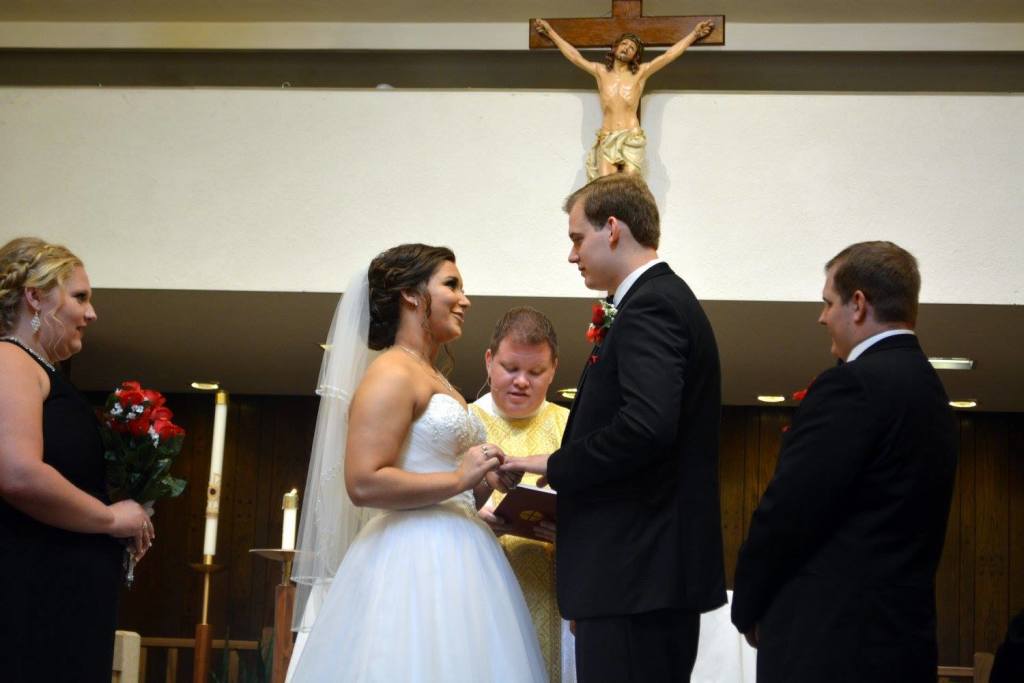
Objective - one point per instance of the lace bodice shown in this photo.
(439, 437)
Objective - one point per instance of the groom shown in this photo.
(639, 552)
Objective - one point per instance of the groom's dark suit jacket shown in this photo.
(637, 474)
(838, 569)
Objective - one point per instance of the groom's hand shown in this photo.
(534, 464)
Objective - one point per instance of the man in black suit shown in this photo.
(836, 580)
(639, 552)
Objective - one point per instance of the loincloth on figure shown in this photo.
(624, 148)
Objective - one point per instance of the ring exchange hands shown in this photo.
(534, 464)
(503, 482)
(131, 521)
(477, 462)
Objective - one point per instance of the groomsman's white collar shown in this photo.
(870, 341)
(624, 286)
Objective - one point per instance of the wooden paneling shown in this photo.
(980, 582)
(1016, 525)
(965, 576)
(731, 481)
(991, 563)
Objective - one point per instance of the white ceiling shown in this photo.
(781, 11)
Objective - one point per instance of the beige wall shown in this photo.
(290, 190)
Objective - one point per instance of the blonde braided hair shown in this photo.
(30, 262)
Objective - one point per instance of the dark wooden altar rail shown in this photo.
(173, 645)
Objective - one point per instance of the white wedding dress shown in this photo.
(425, 594)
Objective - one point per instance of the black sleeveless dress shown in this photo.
(58, 589)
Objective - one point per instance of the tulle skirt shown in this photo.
(423, 595)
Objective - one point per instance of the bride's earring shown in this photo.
(36, 323)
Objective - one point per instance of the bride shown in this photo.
(418, 590)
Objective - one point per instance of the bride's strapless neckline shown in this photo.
(464, 408)
(442, 433)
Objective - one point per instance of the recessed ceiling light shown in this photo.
(952, 363)
(969, 403)
(770, 398)
(206, 386)
(568, 393)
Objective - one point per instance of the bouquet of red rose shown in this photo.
(141, 443)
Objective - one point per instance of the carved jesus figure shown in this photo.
(620, 143)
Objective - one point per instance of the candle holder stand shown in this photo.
(284, 603)
(201, 662)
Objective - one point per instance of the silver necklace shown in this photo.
(12, 338)
(437, 373)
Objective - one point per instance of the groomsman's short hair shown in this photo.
(625, 196)
(886, 273)
(525, 325)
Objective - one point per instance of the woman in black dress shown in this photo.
(60, 564)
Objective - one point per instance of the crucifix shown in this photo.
(621, 143)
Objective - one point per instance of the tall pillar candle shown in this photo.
(290, 505)
(220, 420)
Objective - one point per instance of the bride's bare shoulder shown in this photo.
(393, 375)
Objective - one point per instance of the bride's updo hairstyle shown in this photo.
(30, 262)
(404, 268)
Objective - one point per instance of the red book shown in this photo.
(525, 507)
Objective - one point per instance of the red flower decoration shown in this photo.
(799, 395)
(140, 443)
(601, 318)
(130, 397)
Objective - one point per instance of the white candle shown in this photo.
(220, 419)
(290, 505)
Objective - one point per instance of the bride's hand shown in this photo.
(478, 461)
(502, 482)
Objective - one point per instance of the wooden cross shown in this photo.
(627, 17)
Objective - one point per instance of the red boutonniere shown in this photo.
(601, 319)
(799, 396)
